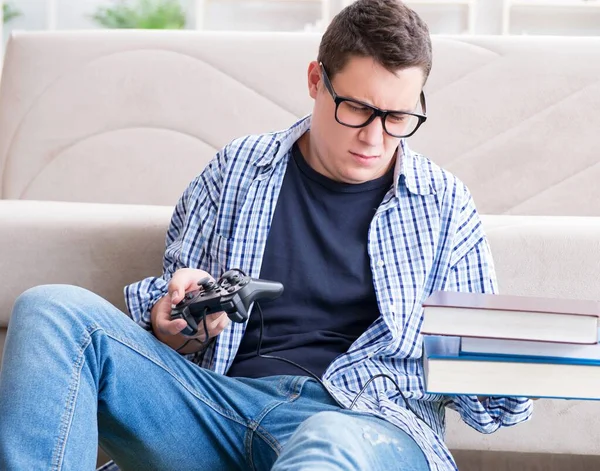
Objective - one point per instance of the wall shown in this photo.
(298, 15)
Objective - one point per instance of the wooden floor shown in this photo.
(508, 461)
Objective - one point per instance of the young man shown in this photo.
(358, 228)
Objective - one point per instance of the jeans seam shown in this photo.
(258, 430)
(219, 410)
(67, 416)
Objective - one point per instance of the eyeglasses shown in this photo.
(357, 114)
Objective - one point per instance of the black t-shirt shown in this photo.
(316, 247)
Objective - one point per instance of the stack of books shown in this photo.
(499, 345)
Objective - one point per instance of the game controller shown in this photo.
(233, 293)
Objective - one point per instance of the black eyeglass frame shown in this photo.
(375, 112)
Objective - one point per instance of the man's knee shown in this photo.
(359, 442)
(45, 300)
(334, 428)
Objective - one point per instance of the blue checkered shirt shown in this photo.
(426, 235)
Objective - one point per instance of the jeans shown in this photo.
(77, 371)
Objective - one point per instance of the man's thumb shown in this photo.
(175, 297)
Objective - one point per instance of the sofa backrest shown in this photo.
(133, 116)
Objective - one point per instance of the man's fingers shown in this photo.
(215, 316)
(220, 323)
(177, 291)
(166, 326)
(162, 321)
(175, 326)
(223, 323)
(215, 324)
(183, 281)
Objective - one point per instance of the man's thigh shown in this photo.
(158, 411)
(202, 421)
(155, 409)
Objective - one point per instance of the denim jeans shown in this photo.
(77, 371)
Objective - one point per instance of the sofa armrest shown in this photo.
(101, 247)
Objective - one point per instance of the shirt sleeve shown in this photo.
(191, 223)
(472, 270)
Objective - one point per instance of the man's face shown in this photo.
(357, 155)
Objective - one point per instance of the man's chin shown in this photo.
(358, 177)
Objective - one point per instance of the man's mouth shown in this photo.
(364, 156)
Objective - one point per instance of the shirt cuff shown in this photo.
(493, 413)
(140, 298)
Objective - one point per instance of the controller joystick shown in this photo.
(206, 284)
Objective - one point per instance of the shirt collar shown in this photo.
(283, 140)
(412, 169)
(409, 166)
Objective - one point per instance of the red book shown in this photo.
(511, 317)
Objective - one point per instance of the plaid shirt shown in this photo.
(426, 235)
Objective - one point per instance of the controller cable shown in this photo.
(307, 371)
(310, 373)
(204, 344)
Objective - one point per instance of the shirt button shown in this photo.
(380, 263)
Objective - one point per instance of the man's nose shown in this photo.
(372, 133)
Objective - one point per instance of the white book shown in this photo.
(511, 317)
(449, 372)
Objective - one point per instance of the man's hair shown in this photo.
(385, 30)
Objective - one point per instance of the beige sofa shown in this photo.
(101, 131)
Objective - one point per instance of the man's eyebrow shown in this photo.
(364, 102)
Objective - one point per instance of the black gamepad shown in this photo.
(233, 293)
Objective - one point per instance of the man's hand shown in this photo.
(167, 330)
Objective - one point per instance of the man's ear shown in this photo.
(314, 78)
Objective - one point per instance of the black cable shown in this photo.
(383, 375)
(272, 357)
(360, 393)
(306, 370)
(204, 343)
